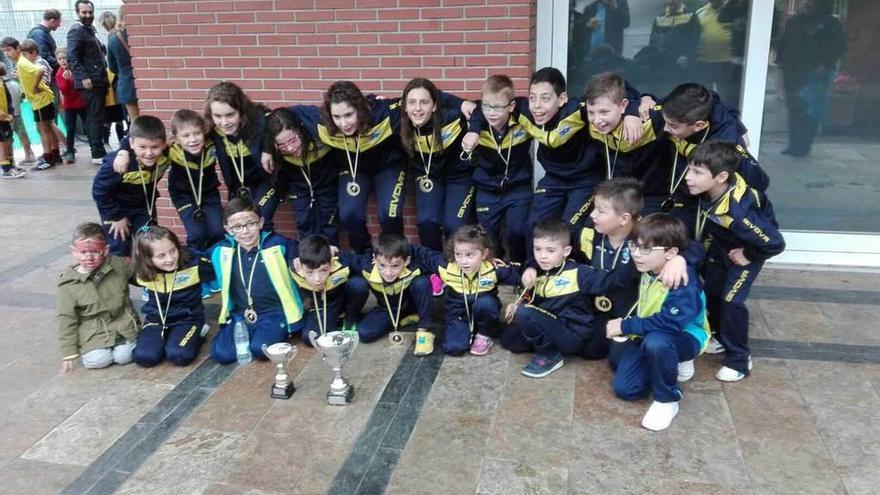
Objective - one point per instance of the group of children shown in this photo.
(642, 206)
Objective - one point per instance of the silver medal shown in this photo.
(353, 188)
(250, 315)
(426, 185)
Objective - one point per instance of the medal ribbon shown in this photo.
(250, 281)
(197, 193)
(322, 322)
(394, 319)
(237, 152)
(426, 165)
(467, 310)
(357, 152)
(152, 201)
(163, 315)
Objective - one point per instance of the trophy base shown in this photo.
(341, 399)
(283, 392)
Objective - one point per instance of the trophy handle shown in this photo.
(265, 347)
(313, 338)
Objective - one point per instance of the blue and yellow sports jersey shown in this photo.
(184, 289)
(183, 163)
(119, 196)
(504, 159)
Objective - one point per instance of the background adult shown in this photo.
(119, 60)
(86, 59)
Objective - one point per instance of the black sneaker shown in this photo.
(541, 366)
(42, 164)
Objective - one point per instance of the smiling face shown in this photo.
(147, 151)
(468, 256)
(191, 138)
(345, 117)
(550, 253)
(165, 255)
(245, 227)
(226, 118)
(419, 106)
(604, 114)
(544, 103)
(288, 142)
(682, 130)
(85, 12)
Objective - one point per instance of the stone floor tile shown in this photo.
(240, 402)
(503, 477)
(800, 321)
(852, 323)
(230, 489)
(82, 437)
(469, 383)
(37, 477)
(269, 461)
(319, 467)
(675, 487)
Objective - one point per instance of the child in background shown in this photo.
(15, 110)
(95, 318)
(503, 174)
(255, 284)
(127, 202)
(9, 170)
(668, 329)
(472, 307)
(114, 112)
(72, 103)
(174, 316)
(329, 287)
(739, 227)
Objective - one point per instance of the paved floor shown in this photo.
(806, 421)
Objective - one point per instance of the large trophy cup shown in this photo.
(280, 354)
(336, 348)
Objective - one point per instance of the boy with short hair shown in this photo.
(255, 283)
(669, 326)
(329, 287)
(503, 176)
(402, 291)
(14, 103)
(737, 224)
(96, 320)
(72, 104)
(9, 171)
(127, 202)
(39, 94)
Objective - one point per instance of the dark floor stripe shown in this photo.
(814, 295)
(815, 351)
(36, 261)
(374, 456)
(109, 471)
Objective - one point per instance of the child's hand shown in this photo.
(510, 312)
(738, 257)
(645, 106)
(120, 163)
(266, 161)
(5, 117)
(469, 142)
(498, 262)
(674, 273)
(120, 229)
(67, 75)
(66, 366)
(528, 278)
(632, 128)
(467, 108)
(334, 250)
(613, 328)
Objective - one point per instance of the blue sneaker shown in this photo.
(541, 365)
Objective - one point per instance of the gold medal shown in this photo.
(244, 193)
(396, 338)
(426, 185)
(603, 304)
(250, 315)
(353, 188)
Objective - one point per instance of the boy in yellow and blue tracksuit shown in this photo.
(668, 326)
(127, 202)
(330, 288)
(738, 226)
(255, 283)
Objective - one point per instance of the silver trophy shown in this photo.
(280, 354)
(336, 348)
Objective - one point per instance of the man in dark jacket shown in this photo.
(42, 36)
(86, 58)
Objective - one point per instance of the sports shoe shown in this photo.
(541, 366)
(69, 157)
(205, 329)
(43, 164)
(408, 320)
(660, 415)
(29, 158)
(349, 327)
(713, 346)
(97, 161)
(726, 374)
(437, 285)
(481, 345)
(424, 343)
(15, 173)
(685, 370)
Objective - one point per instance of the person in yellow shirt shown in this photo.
(39, 94)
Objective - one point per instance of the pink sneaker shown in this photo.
(481, 345)
(437, 285)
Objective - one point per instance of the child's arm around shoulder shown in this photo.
(428, 260)
(681, 306)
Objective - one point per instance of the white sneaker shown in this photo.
(726, 374)
(97, 161)
(660, 415)
(685, 370)
(714, 347)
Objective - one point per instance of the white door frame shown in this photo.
(803, 247)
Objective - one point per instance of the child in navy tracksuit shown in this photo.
(665, 330)
(503, 174)
(472, 307)
(174, 316)
(252, 267)
(363, 132)
(304, 172)
(238, 126)
(127, 201)
(737, 224)
(328, 285)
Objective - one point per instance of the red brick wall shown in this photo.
(284, 52)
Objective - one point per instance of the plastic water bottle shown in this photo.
(242, 342)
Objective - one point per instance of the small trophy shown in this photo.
(280, 354)
(336, 348)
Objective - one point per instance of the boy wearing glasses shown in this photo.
(667, 327)
(255, 283)
(95, 318)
